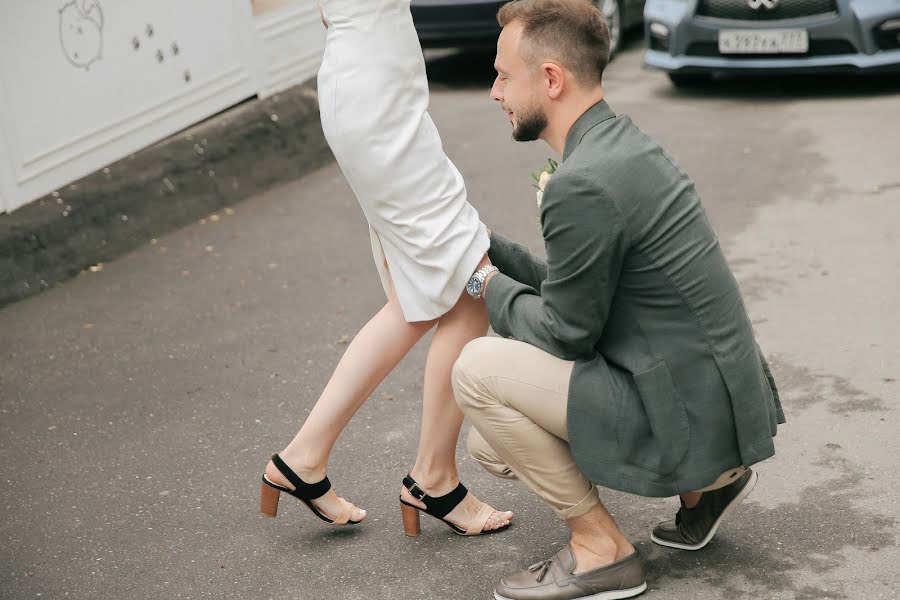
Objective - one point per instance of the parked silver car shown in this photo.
(445, 23)
(692, 39)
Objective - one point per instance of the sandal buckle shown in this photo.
(416, 492)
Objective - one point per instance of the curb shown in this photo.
(231, 156)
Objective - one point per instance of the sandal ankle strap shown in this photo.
(309, 491)
(439, 506)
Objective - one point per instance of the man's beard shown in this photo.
(529, 125)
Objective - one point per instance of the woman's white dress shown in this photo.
(373, 97)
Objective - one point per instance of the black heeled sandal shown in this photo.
(304, 492)
(439, 508)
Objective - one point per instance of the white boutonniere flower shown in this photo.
(542, 178)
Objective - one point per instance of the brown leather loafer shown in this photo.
(693, 528)
(553, 580)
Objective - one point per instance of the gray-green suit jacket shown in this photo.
(669, 388)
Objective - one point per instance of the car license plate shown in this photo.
(764, 41)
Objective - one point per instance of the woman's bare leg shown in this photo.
(435, 468)
(372, 354)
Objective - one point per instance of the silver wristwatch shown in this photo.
(475, 287)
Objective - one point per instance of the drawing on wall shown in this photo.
(81, 32)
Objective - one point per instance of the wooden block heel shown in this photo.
(439, 507)
(268, 500)
(411, 525)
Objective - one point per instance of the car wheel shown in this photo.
(689, 79)
(612, 14)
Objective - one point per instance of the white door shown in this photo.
(84, 83)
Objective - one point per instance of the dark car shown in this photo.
(473, 23)
(693, 39)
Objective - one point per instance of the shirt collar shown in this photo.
(593, 116)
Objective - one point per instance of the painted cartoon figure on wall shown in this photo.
(81, 32)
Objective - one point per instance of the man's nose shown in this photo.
(495, 92)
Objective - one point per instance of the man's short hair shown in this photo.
(572, 33)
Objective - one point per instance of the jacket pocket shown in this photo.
(654, 432)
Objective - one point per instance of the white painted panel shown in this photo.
(88, 82)
(291, 39)
(7, 189)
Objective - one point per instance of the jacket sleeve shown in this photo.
(517, 262)
(586, 244)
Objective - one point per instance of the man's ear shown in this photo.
(555, 76)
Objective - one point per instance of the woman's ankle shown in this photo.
(436, 481)
(305, 464)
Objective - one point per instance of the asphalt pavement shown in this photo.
(139, 402)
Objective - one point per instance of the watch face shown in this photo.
(473, 287)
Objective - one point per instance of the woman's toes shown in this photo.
(498, 520)
(356, 513)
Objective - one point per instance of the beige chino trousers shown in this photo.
(516, 397)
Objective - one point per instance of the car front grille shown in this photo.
(816, 48)
(740, 10)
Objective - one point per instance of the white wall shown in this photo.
(291, 39)
(84, 83)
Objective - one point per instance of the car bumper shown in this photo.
(846, 41)
(442, 23)
(883, 62)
